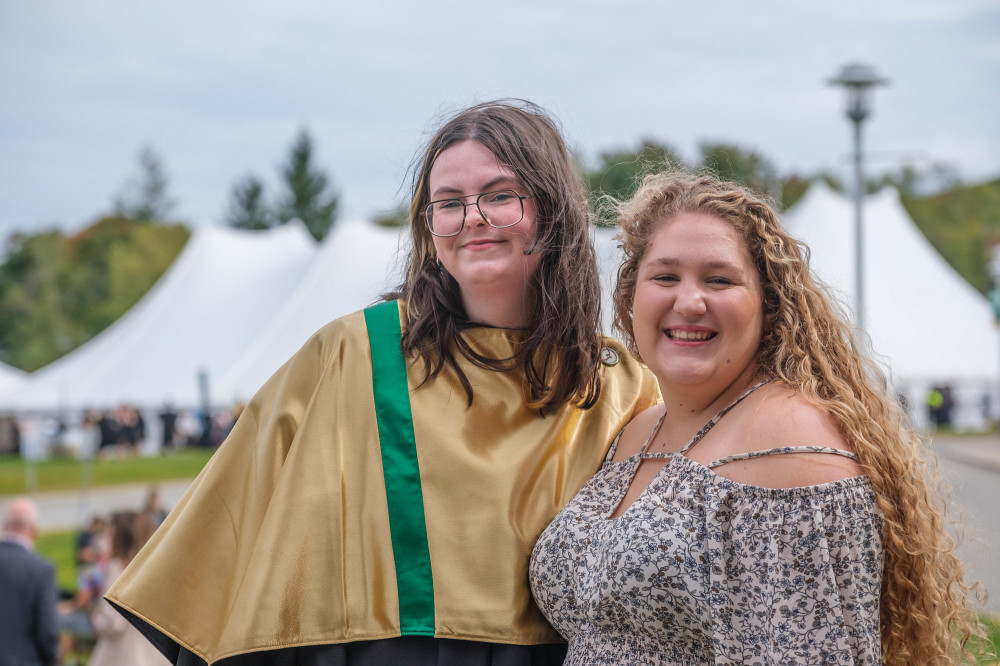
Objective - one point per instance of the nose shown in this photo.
(478, 218)
(689, 300)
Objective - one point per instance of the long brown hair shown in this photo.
(130, 530)
(561, 348)
(807, 344)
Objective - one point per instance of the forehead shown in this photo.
(466, 167)
(697, 235)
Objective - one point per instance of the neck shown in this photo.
(496, 308)
(22, 539)
(699, 403)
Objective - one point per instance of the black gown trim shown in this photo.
(403, 651)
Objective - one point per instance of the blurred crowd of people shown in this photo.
(40, 625)
(119, 432)
(102, 551)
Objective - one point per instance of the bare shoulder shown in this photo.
(784, 417)
(637, 432)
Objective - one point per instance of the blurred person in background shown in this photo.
(118, 642)
(29, 621)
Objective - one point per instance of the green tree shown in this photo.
(33, 325)
(619, 171)
(310, 196)
(397, 217)
(58, 292)
(739, 165)
(795, 185)
(963, 223)
(144, 196)
(247, 207)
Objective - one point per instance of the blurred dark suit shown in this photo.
(29, 622)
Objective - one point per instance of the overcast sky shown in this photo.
(220, 88)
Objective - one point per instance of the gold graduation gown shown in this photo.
(284, 538)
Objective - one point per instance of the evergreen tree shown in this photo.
(144, 198)
(310, 198)
(247, 206)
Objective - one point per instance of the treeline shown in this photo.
(58, 291)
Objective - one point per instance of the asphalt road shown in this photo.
(976, 495)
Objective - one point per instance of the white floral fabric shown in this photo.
(704, 570)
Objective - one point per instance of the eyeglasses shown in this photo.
(501, 209)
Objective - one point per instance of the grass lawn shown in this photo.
(68, 474)
(993, 628)
(57, 548)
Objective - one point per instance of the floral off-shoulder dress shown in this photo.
(704, 570)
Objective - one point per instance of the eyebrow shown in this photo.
(488, 187)
(711, 264)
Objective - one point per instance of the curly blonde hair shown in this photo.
(926, 615)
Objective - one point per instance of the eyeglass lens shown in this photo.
(501, 209)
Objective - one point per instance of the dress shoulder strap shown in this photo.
(780, 451)
(701, 433)
(652, 434)
(614, 446)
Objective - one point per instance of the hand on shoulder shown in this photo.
(783, 417)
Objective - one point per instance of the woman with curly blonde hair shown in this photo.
(802, 528)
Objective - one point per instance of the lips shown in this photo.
(481, 243)
(688, 335)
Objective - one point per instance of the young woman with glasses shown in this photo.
(378, 499)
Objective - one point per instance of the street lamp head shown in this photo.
(858, 79)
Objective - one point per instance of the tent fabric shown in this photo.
(926, 323)
(356, 263)
(199, 317)
(11, 378)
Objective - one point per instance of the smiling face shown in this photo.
(490, 265)
(697, 314)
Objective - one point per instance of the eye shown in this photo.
(720, 281)
(667, 278)
(500, 197)
(449, 204)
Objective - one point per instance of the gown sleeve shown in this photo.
(795, 576)
(218, 562)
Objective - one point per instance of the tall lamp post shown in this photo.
(858, 79)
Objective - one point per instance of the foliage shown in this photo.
(619, 172)
(963, 223)
(397, 217)
(68, 474)
(57, 292)
(247, 206)
(748, 167)
(144, 197)
(309, 197)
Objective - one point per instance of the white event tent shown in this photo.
(220, 292)
(357, 262)
(927, 325)
(10, 377)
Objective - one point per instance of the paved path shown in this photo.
(970, 464)
(972, 467)
(70, 509)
